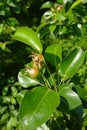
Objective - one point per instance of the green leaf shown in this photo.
(72, 101)
(76, 3)
(26, 81)
(48, 16)
(1, 28)
(81, 92)
(70, 65)
(4, 47)
(53, 54)
(1, 3)
(66, 86)
(37, 106)
(47, 4)
(12, 21)
(43, 30)
(52, 27)
(29, 37)
(49, 79)
(43, 127)
(63, 1)
(20, 96)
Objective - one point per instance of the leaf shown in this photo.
(43, 30)
(49, 79)
(3, 46)
(20, 96)
(76, 3)
(72, 101)
(66, 86)
(53, 54)
(70, 65)
(43, 127)
(12, 21)
(37, 106)
(1, 28)
(29, 37)
(47, 16)
(47, 4)
(81, 92)
(52, 27)
(60, 17)
(26, 81)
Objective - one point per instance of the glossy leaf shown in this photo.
(26, 81)
(43, 127)
(81, 92)
(29, 37)
(53, 54)
(72, 101)
(66, 86)
(37, 106)
(70, 65)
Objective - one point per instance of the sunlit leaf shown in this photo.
(43, 127)
(37, 106)
(47, 16)
(76, 3)
(70, 65)
(47, 4)
(29, 37)
(26, 81)
(4, 47)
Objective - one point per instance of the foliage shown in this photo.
(43, 70)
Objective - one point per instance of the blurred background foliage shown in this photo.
(55, 21)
